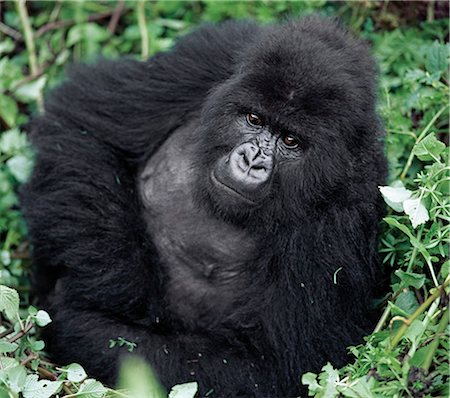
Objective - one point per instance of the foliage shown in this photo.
(407, 355)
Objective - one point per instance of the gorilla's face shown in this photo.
(245, 173)
(280, 137)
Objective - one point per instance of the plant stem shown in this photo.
(383, 318)
(435, 343)
(401, 331)
(419, 138)
(140, 10)
(29, 42)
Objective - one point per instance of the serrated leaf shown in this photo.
(8, 110)
(416, 210)
(16, 378)
(430, 148)
(75, 373)
(411, 279)
(20, 167)
(437, 58)
(35, 388)
(91, 388)
(6, 346)
(42, 318)
(12, 141)
(310, 379)
(395, 195)
(186, 390)
(9, 302)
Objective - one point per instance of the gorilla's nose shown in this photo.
(250, 166)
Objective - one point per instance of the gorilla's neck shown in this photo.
(206, 258)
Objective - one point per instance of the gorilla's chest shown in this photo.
(197, 248)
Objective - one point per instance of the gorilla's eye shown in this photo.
(290, 141)
(254, 120)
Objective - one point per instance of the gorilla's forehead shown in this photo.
(288, 70)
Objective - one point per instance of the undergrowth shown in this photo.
(407, 355)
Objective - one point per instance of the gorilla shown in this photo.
(216, 205)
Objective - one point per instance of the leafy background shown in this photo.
(407, 355)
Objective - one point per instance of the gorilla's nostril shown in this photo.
(258, 153)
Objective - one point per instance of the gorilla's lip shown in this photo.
(230, 190)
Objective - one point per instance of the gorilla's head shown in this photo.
(286, 127)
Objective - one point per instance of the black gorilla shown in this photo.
(217, 205)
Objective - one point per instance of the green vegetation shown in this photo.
(408, 353)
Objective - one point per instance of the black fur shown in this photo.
(97, 270)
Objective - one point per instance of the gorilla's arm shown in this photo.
(133, 105)
(84, 337)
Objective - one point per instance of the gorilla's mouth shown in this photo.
(219, 184)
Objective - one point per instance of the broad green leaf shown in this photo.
(415, 331)
(8, 110)
(75, 373)
(91, 388)
(419, 356)
(6, 346)
(430, 148)
(42, 318)
(9, 302)
(137, 377)
(35, 388)
(411, 279)
(407, 302)
(186, 390)
(16, 378)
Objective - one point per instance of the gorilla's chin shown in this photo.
(229, 194)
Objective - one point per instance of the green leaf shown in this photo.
(31, 91)
(137, 377)
(42, 318)
(437, 58)
(429, 148)
(8, 110)
(75, 373)
(419, 356)
(411, 279)
(20, 167)
(310, 379)
(16, 378)
(6, 45)
(91, 388)
(9, 302)
(186, 390)
(415, 331)
(35, 388)
(6, 346)
(407, 302)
